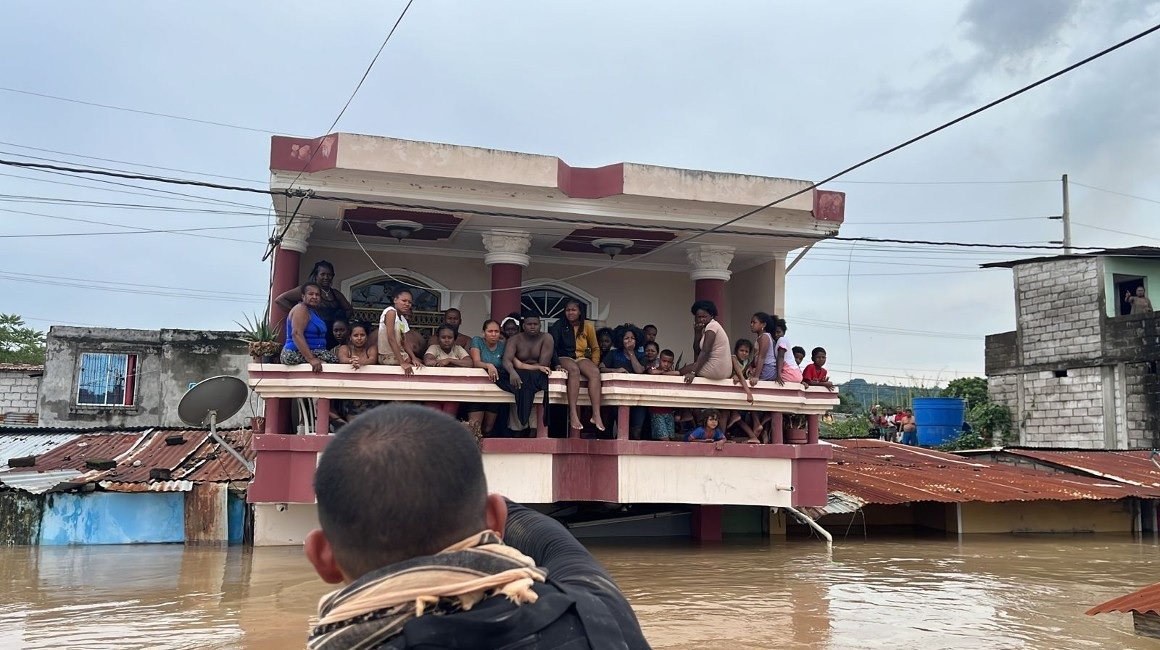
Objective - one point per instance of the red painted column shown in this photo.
(505, 291)
(707, 526)
(286, 263)
(712, 290)
(812, 428)
(709, 270)
(507, 255)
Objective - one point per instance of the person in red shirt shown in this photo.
(815, 374)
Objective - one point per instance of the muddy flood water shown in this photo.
(988, 592)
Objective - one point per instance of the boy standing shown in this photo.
(662, 421)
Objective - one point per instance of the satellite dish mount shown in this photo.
(207, 402)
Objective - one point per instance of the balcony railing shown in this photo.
(621, 391)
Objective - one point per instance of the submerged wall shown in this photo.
(113, 518)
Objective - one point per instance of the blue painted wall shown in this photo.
(236, 523)
(113, 518)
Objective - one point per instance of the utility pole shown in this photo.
(1066, 219)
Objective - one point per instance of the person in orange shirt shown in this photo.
(578, 354)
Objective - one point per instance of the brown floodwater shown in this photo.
(987, 592)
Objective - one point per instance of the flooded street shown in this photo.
(989, 592)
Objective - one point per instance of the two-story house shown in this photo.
(1079, 370)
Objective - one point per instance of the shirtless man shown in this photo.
(454, 318)
(526, 360)
(1140, 304)
(909, 430)
(530, 350)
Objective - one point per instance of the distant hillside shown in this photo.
(866, 394)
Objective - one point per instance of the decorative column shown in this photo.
(709, 269)
(287, 261)
(507, 255)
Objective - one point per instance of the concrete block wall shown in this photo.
(18, 391)
(1058, 310)
(1063, 411)
(1142, 389)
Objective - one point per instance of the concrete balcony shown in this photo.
(550, 470)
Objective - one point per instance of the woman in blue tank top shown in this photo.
(306, 332)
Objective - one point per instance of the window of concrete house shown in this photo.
(548, 303)
(1125, 285)
(107, 379)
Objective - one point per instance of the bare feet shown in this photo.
(597, 422)
(574, 420)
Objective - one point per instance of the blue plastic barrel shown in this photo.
(939, 419)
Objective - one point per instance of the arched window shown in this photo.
(371, 293)
(549, 299)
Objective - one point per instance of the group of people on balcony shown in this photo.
(519, 357)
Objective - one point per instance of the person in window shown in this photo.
(1138, 302)
(332, 304)
(487, 354)
(399, 345)
(306, 332)
(358, 351)
(578, 354)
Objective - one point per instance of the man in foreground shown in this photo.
(409, 528)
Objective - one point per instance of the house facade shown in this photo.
(1080, 370)
(126, 378)
(494, 232)
(19, 391)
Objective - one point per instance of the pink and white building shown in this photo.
(492, 232)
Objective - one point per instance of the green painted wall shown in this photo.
(1148, 268)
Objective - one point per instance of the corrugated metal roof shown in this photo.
(837, 503)
(1132, 467)
(21, 367)
(151, 486)
(155, 452)
(19, 419)
(1144, 601)
(19, 445)
(875, 471)
(38, 482)
(73, 453)
(210, 463)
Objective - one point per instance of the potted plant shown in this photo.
(261, 337)
(796, 426)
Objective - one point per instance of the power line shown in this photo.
(1013, 182)
(939, 223)
(1124, 194)
(113, 160)
(135, 110)
(1118, 232)
(370, 66)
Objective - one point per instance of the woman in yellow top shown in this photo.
(578, 354)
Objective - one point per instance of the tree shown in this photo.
(847, 403)
(972, 389)
(18, 342)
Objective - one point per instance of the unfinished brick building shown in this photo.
(1080, 369)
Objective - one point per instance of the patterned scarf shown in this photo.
(375, 608)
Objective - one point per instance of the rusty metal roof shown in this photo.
(73, 453)
(1132, 467)
(21, 367)
(19, 419)
(210, 463)
(61, 456)
(1144, 601)
(874, 471)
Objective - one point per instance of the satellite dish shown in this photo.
(216, 398)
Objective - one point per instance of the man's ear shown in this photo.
(496, 513)
(321, 555)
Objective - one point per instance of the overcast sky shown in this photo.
(796, 90)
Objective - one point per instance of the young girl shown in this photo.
(486, 353)
(396, 338)
(709, 431)
(604, 335)
(358, 352)
(446, 354)
(743, 352)
(764, 366)
(787, 370)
